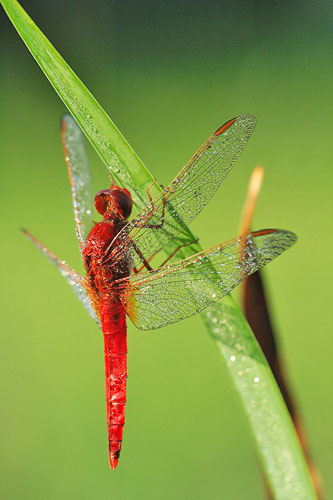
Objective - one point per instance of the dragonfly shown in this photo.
(119, 252)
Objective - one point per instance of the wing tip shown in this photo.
(67, 120)
(63, 121)
(249, 120)
(289, 237)
(31, 237)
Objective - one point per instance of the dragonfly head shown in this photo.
(114, 203)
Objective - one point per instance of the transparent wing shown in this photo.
(173, 293)
(74, 279)
(79, 177)
(165, 218)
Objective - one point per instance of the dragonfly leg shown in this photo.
(160, 225)
(144, 261)
(107, 256)
(148, 192)
(137, 271)
(177, 249)
(153, 210)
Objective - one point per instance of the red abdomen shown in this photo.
(113, 321)
(101, 276)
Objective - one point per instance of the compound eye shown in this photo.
(102, 200)
(122, 201)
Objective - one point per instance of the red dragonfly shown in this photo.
(118, 254)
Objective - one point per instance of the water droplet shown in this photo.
(256, 379)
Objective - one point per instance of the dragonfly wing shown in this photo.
(74, 279)
(166, 217)
(159, 298)
(79, 177)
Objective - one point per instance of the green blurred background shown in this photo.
(168, 73)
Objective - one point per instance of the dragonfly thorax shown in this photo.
(114, 203)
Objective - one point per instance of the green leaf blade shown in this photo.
(279, 450)
(109, 143)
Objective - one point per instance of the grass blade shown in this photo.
(109, 143)
(277, 444)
